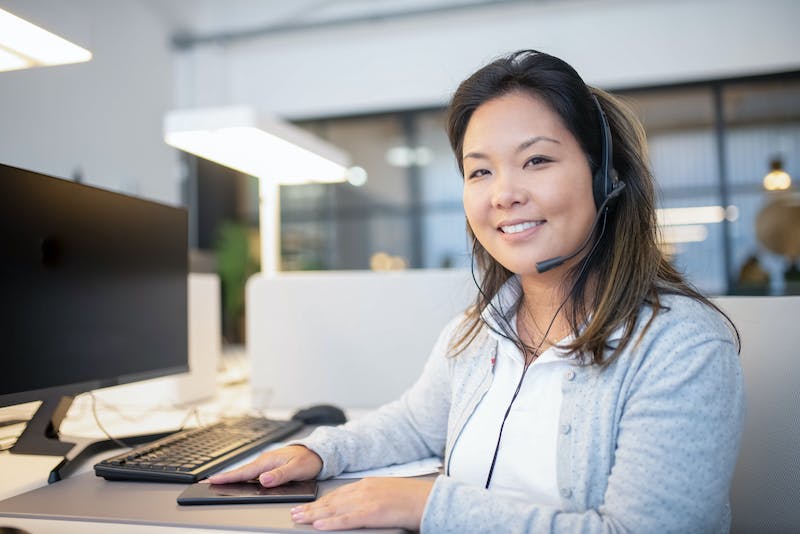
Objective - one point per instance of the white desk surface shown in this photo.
(54, 526)
(23, 473)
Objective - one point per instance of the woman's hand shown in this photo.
(370, 502)
(277, 467)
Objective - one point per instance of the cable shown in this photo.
(527, 363)
(100, 425)
(193, 412)
(508, 332)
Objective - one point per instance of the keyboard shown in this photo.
(193, 454)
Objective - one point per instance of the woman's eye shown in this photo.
(478, 173)
(536, 160)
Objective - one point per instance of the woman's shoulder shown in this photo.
(681, 327)
(680, 316)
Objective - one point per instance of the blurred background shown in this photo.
(715, 82)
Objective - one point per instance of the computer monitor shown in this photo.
(94, 294)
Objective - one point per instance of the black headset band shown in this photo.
(602, 181)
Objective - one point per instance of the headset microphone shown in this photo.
(552, 263)
(600, 188)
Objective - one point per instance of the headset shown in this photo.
(606, 188)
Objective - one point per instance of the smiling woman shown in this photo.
(587, 368)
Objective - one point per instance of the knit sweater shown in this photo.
(646, 444)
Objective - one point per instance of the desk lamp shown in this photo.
(274, 151)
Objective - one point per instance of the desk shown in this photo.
(21, 473)
(86, 503)
(98, 504)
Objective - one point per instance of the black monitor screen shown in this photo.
(93, 285)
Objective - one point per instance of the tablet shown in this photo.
(248, 492)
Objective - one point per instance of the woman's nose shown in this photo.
(507, 191)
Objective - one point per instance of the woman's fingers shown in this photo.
(312, 512)
(281, 475)
(341, 522)
(243, 473)
(372, 502)
(275, 467)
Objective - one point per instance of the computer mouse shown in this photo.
(321, 414)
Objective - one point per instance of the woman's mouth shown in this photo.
(519, 227)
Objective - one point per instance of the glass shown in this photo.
(340, 226)
(683, 154)
(444, 226)
(763, 125)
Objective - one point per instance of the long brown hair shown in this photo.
(626, 268)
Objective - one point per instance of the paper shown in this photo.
(411, 469)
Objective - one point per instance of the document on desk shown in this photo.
(417, 468)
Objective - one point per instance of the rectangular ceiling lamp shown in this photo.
(694, 215)
(24, 45)
(256, 144)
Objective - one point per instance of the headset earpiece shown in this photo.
(605, 183)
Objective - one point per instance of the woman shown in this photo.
(590, 388)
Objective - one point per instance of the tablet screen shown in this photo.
(248, 492)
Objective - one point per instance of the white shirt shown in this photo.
(526, 461)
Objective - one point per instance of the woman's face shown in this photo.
(527, 183)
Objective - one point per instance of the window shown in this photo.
(710, 146)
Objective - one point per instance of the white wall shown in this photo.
(103, 117)
(417, 62)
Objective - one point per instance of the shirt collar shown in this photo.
(501, 317)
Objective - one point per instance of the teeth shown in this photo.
(516, 228)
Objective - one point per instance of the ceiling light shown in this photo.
(357, 176)
(777, 179)
(24, 45)
(404, 156)
(696, 215)
(256, 144)
(692, 233)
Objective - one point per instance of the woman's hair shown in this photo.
(625, 268)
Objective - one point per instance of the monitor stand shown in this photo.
(41, 436)
(41, 433)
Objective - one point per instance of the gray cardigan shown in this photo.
(647, 444)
